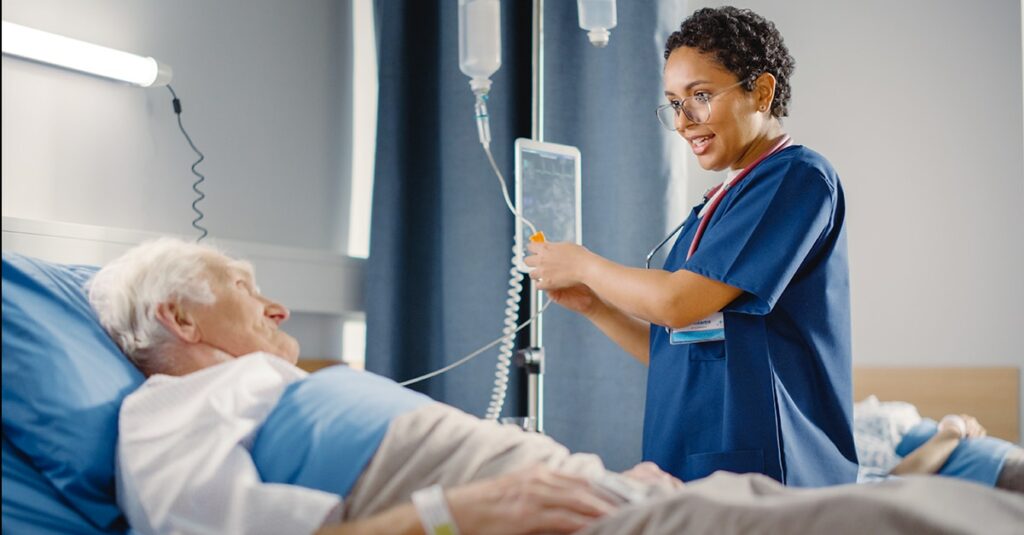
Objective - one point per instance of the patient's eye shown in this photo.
(247, 287)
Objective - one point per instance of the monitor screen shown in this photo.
(548, 189)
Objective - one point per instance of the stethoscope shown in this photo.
(711, 200)
(650, 255)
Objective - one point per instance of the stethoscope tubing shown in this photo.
(704, 217)
(650, 255)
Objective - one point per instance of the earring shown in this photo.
(763, 108)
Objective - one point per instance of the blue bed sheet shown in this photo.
(330, 424)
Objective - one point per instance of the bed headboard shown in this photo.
(991, 394)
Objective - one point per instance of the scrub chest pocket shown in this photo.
(707, 351)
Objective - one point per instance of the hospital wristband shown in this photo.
(433, 511)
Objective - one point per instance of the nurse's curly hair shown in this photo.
(743, 42)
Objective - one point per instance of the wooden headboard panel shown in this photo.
(992, 395)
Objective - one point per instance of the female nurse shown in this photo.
(746, 330)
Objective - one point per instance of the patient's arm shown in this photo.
(534, 500)
(399, 520)
(928, 458)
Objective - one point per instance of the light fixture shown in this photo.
(53, 49)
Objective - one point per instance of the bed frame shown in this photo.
(991, 394)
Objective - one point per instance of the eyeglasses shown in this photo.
(696, 108)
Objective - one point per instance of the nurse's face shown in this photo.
(728, 137)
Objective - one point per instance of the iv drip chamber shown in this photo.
(597, 17)
(479, 42)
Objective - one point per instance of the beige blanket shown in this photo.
(441, 445)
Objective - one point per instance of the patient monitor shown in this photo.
(547, 192)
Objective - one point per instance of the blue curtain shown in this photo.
(441, 236)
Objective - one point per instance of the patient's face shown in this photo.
(241, 320)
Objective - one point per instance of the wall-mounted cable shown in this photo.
(195, 185)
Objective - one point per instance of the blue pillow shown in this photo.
(63, 382)
(32, 505)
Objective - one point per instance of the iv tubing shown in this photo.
(515, 287)
(484, 131)
(507, 339)
(474, 354)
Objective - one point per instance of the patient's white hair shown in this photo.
(126, 292)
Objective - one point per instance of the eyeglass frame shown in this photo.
(682, 106)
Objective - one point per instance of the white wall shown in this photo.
(266, 91)
(918, 105)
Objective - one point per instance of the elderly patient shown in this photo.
(228, 436)
(194, 321)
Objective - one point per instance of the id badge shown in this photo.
(709, 329)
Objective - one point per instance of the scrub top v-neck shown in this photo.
(775, 395)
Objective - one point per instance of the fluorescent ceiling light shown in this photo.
(45, 47)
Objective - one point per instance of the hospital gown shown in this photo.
(878, 429)
(183, 454)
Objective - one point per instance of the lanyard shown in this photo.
(714, 197)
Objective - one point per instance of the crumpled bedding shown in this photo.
(437, 444)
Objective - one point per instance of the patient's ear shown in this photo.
(178, 321)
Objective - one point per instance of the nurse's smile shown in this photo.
(699, 144)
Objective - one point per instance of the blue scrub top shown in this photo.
(775, 396)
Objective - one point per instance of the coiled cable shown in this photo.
(195, 185)
(515, 290)
(515, 287)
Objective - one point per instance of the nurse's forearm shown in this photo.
(631, 334)
(673, 299)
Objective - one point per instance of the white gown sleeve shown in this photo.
(183, 455)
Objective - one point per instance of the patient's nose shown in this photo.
(277, 312)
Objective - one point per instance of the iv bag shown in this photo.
(479, 41)
(597, 17)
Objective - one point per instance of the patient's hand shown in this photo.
(965, 425)
(534, 500)
(648, 472)
(974, 428)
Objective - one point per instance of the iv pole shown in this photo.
(533, 357)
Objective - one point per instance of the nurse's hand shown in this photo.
(579, 298)
(557, 265)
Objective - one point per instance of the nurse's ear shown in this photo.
(764, 91)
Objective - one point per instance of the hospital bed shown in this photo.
(63, 380)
